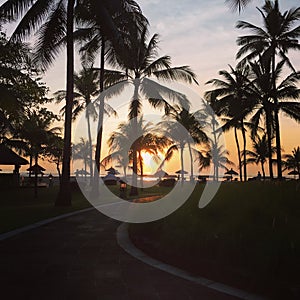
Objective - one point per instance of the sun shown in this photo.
(149, 164)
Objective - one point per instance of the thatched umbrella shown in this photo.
(231, 172)
(9, 157)
(36, 169)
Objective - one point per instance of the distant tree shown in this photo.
(292, 161)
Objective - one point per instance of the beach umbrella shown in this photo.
(181, 172)
(81, 172)
(113, 171)
(161, 173)
(294, 172)
(9, 157)
(36, 169)
(231, 173)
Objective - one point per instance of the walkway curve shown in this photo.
(125, 242)
(78, 258)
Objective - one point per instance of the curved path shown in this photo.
(78, 258)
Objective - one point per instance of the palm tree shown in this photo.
(285, 91)
(235, 103)
(189, 121)
(85, 83)
(121, 145)
(36, 131)
(217, 156)
(140, 61)
(54, 21)
(276, 38)
(94, 38)
(292, 161)
(82, 151)
(260, 152)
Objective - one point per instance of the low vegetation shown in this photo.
(248, 236)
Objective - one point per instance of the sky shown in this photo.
(198, 33)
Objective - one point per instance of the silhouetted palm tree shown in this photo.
(182, 118)
(140, 61)
(262, 90)
(292, 161)
(148, 141)
(235, 103)
(260, 152)
(276, 38)
(94, 38)
(54, 23)
(86, 88)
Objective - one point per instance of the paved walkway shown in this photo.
(79, 258)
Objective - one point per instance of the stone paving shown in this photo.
(79, 258)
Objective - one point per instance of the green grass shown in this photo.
(19, 208)
(249, 236)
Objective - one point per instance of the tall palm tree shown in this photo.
(286, 92)
(148, 141)
(139, 60)
(292, 161)
(216, 155)
(189, 121)
(86, 88)
(235, 103)
(54, 23)
(259, 152)
(82, 151)
(274, 40)
(94, 38)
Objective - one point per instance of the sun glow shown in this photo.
(149, 163)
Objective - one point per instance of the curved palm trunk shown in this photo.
(192, 165)
(263, 170)
(239, 153)
(134, 113)
(244, 153)
(278, 145)
(90, 146)
(269, 134)
(277, 129)
(100, 120)
(182, 163)
(30, 164)
(64, 195)
(142, 169)
(36, 177)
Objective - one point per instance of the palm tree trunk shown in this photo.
(101, 108)
(142, 170)
(64, 195)
(244, 153)
(278, 145)
(192, 162)
(239, 153)
(36, 178)
(269, 134)
(277, 129)
(58, 172)
(90, 146)
(263, 170)
(182, 163)
(30, 164)
(134, 113)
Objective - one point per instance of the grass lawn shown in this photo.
(248, 236)
(18, 207)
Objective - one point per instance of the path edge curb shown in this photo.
(126, 244)
(26, 228)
